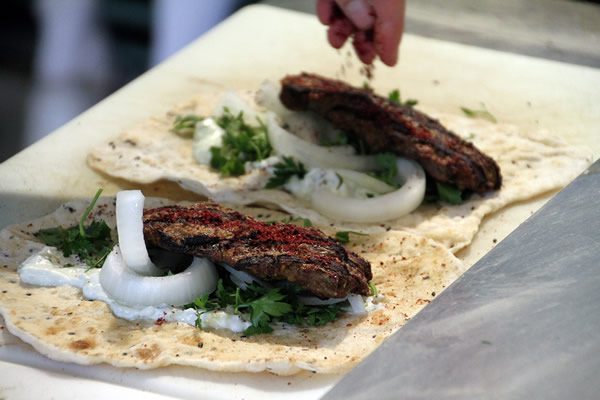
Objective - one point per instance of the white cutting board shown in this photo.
(261, 42)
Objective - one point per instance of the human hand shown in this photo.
(375, 25)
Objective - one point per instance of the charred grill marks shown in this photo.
(304, 256)
(385, 126)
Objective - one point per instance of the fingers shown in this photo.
(325, 11)
(389, 25)
(357, 11)
(339, 31)
(364, 46)
(376, 25)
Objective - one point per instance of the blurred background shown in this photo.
(59, 57)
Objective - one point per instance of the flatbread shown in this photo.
(531, 164)
(58, 322)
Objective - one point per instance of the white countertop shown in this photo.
(261, 42)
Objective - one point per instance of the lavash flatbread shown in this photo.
(59, 323)
(531, 164)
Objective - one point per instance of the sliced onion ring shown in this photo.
(128, 288)
(242, 279)
(376, 209)
(365, 181)
(357, 304)
(305, 125)
(288, 144)
(130, 227)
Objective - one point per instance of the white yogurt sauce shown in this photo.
(47, 268)
(207, 134)
(319, 178)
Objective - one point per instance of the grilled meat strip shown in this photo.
(386, 126)
(304, 256)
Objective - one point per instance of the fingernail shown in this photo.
(359, 12)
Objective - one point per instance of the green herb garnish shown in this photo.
(241, 143)
(90, 243)
(263, 309)
(338, 140)
(374, 290)
(312, 315)
(305, 221)
(284, 170)
(344, 236)
(185, 125)
(449, 193)
(395, 97)
(483, 113)
(387, 168)
(262, 306)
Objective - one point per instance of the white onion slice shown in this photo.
(130, 228)
(380, 208)
(268, 97)
(315, 301)
(365, 181)
(206, 135)
(357, 304)
(128, 288)
(288, 144)
(242, 279)
(307, 126)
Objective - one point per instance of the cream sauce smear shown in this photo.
(50, 268)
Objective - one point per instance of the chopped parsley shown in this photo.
(185, 125)
(90, 243)
(388, 169)
(344, 236)
(305, 221)
(483, 113)
(241, 143)
(284, 170)
(374, 291)
(449, 193)
(262, 306)
(395, 97)
(339, 139)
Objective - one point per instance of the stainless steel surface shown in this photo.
(522, 323)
